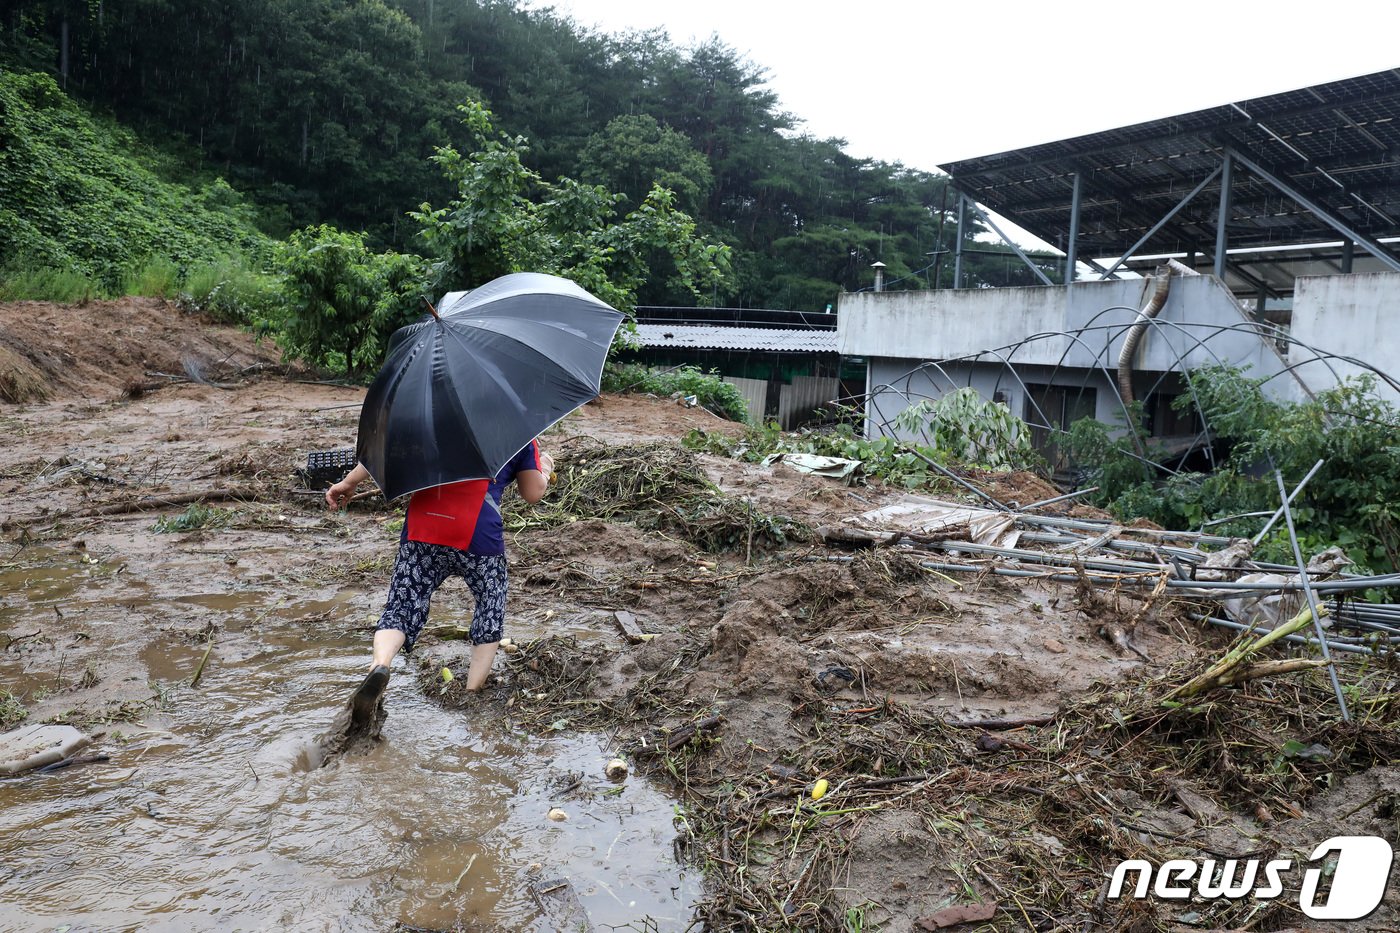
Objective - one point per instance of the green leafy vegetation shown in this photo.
(80, 211)
(709, 389)
(231, 290)
(46, 283)
(966, 428)
(327, 111)
(195, 517)
(344, 301)
(961, 429)
(506, 217)
(1351, 502)
(12, 711)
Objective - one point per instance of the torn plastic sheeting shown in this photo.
(830, 467)
(1270, 609)
(917, 515)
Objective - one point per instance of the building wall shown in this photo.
(1085, 323)
(896, 384)
(946, 324)
(1349, 315)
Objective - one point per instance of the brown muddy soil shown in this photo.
(788, 662)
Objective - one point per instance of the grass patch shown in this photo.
(229, 290)
(158, 278)
(12, 711)
(46, 283)
(198, 516)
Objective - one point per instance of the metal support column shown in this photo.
(1072, 252)
(1348, 252)
(957, 252)
(1222, 223)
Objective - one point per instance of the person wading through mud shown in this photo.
(451, 530)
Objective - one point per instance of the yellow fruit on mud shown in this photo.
(820, 788)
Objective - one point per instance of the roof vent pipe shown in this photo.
(879, 268)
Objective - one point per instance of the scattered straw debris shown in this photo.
(659, 487)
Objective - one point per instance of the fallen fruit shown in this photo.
(446, 676)
(558, 815)
(616, 769)
(820, 788)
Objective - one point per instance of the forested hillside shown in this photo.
(328, 111)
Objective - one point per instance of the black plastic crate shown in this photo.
(326, 467)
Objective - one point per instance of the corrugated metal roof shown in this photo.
(715, 337)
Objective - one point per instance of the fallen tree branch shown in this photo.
(1001, 723)
(681, 736)
(237, 493)
(1233, 667)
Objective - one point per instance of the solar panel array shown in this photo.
(1338, 144)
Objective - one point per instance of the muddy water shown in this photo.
(211, 812)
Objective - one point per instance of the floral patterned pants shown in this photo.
(421, 568)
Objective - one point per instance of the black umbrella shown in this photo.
(464, 390)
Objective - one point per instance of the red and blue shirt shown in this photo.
(467, 515)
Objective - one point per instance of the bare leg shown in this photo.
(482, 656)
(387, 642)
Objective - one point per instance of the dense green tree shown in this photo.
(633, 153)
(328, 110)
(344, 300)
(506, 217)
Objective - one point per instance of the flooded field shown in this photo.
(214, 807)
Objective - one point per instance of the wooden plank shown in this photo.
(627, 623)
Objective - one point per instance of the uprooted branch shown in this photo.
(1235, 668)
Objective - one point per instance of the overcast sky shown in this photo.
(925, 82)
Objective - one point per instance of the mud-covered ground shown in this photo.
(985, 746)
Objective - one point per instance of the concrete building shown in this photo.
(1279, 212)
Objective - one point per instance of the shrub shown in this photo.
(157, 278)
(232, 291)
(709, 389)
(964, 427)
(342, 301)
(1350, 502)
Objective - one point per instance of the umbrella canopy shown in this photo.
(463, 392)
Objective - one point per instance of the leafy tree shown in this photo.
(506, 218)
(633, 153)
(343, 301)
(1349, 502)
